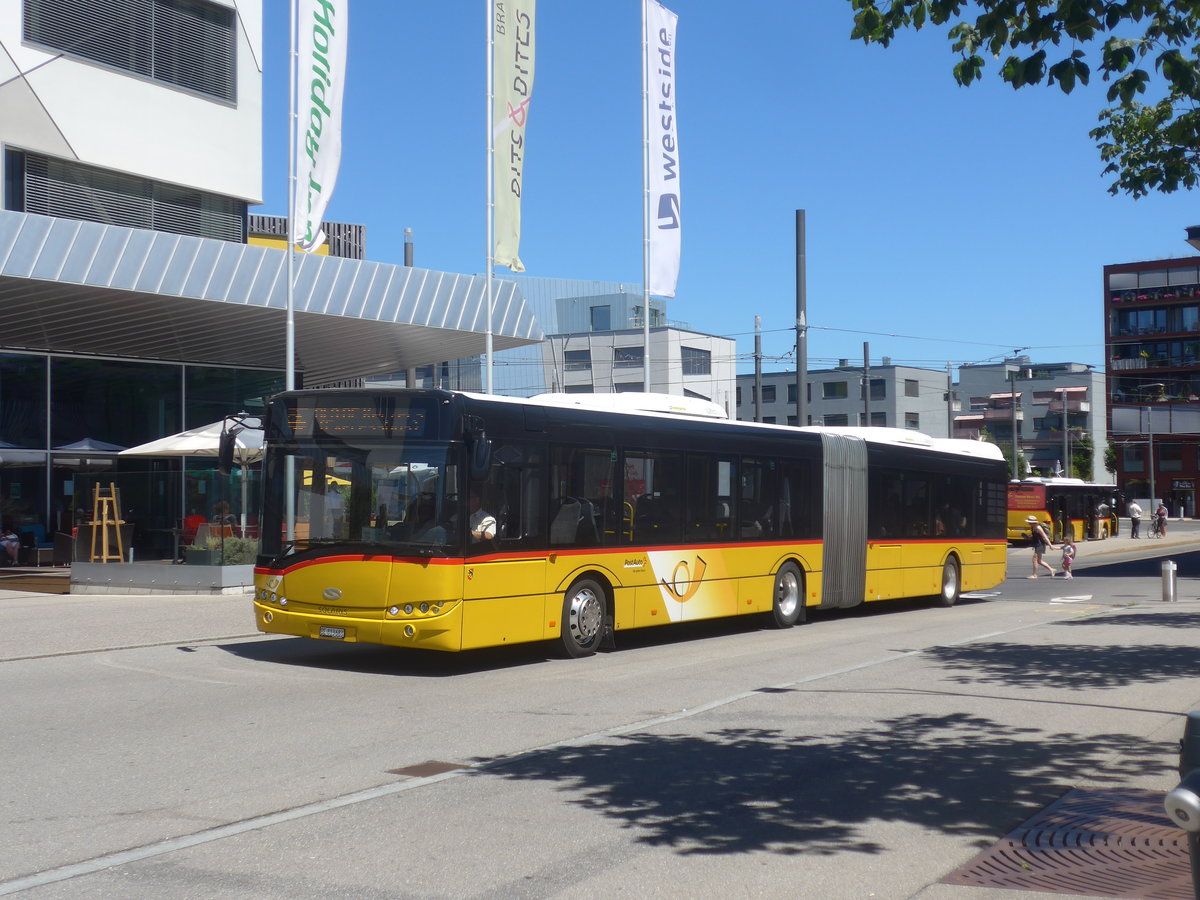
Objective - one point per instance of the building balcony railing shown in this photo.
(1073, 406)
(1136, 362)
(1142, 295)
(1186, 361)
(1002, 415)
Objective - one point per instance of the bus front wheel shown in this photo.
(951, 584)
(787, 605)
(582, 618)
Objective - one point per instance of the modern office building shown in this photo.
(138, 297)
(682, 362)
(896, 397)
(596, 343)
(1152, 347)
(1052, 406)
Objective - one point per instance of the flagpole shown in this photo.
(645, 209)
(490, 202)
(289, 382)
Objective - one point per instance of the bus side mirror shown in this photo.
(480, 458)
(225, 450)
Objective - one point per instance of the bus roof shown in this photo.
(637, 402)
(904, 437)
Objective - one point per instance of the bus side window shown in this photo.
(582, 510)
(515, 486)
(916, 506)
(797, 495)
(658, 505)
(707, 498)
(758, 498)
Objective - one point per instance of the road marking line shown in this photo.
(1079, 599)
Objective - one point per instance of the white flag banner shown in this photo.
(512, 77)
(662, 170)
(320, 79)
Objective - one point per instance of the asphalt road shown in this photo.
(156, 747)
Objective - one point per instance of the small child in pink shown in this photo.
(1068, 557)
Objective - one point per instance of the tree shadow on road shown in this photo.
(742, 790)
(1149, 568)
(1147, 617)
(1065, 666)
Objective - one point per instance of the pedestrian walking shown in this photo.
(1068, 557)
(1041, 543)
(1135, 519)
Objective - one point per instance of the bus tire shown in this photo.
(951, 583)
(787, 602)
(582, 618)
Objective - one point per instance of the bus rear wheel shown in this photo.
(951, 583)
(787, 604)
(582, 618)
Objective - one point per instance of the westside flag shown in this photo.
(320, 77)
(512, 86)
(662, 170)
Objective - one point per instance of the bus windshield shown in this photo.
(403, 496)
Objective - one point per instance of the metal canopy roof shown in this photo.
(84, 287)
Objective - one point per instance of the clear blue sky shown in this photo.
(944, 224)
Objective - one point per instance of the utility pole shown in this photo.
(949, 400)
(1066, 435)
(758, 368)
(801, 326)
(866, 383)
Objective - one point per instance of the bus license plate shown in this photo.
(328, 631)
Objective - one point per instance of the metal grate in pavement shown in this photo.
(1100, 842)
(427, 768)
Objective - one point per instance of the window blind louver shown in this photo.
(72, 191)
(187, 43)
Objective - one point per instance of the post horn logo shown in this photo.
(682, 576)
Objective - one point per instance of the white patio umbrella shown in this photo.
(206, 441)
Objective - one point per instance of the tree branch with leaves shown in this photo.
(1146, 146)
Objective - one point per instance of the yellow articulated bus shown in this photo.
(1070, 507)
(450, 521)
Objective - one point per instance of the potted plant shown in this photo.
(230, 551)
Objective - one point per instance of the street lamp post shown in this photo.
(1066, 437)
(1150, 452)
(1012, 399)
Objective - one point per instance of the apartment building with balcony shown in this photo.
(1051, 406)
(1152, 348)
(891, 396)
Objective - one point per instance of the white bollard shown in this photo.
(1168, 580)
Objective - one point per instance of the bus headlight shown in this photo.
(424, 607)
(283, 601)
(408, 609)
(393, 610)
(274, 597)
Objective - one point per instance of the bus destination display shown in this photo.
(355, 421)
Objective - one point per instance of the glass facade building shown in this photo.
(64, 419)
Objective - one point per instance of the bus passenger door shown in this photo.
(504, 578)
